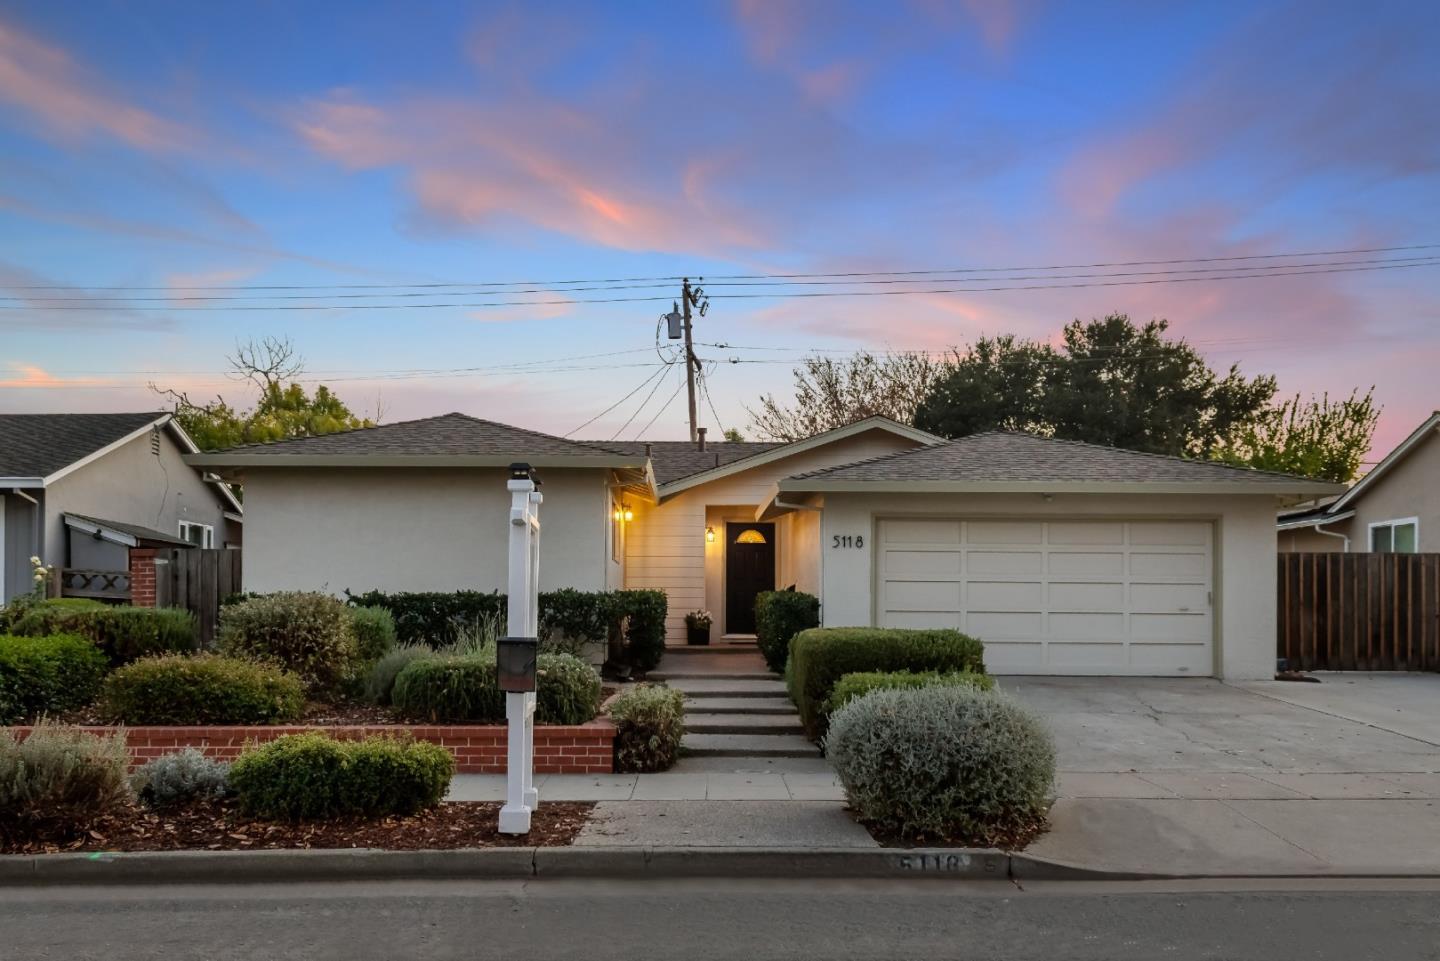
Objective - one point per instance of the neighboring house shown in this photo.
(1393, 509)
(1065, 558)
(80, 490)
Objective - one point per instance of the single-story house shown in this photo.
(80, 491)
(1065, 558)
(1393, 509)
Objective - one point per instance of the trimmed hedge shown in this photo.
(779, 616)
(312, 776)
(308, 634)
(46, 675)
(821, 656)
(123, 633)
(950, 764)
(60, 776)
(851, 686)
(201, 689)
(649, 726)
(461, 688)
(374, 629)
(434, 617)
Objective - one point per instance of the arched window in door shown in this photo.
(750, 536)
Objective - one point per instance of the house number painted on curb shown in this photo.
(946, 863)
(847, 540)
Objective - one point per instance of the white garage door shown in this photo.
(1056, 597)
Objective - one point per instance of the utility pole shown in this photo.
(686, 299)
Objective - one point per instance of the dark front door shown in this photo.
(749, 569)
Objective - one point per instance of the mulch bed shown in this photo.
(1012, 840)
(218, 826)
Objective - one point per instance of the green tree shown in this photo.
(1109, 382)
(831, 393)
(734, 436)
(283, 409)
(1321, 439)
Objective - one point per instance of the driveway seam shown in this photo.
(1271, 831)
(1341, 717)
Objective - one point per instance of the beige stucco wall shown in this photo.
(415, 530)
(666, 547)
(1244, 614)
(134, 486)
(1411, 488)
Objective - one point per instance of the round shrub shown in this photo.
(59, 777)
(779, 616)
(567, 690)
(851, 686)
(374, 629)
(451, 687)
(309, 635)
(312, 776)
(41, 675)
(380, 681)
(180, 778)
(943, 763)
(201, 689)
(649, 726)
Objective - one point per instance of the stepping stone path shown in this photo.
(735, 707)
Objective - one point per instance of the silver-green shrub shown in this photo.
(60, 776)
(380, 682)
(943, 762)
(180, 778)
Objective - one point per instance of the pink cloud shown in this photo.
(33, 376)
(44, 81)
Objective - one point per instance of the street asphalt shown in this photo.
(751, 920)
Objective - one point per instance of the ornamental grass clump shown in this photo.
(649, 724)
(950, 764)
(380, 682)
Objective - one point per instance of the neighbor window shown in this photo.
(201, 535)
(1395, 537)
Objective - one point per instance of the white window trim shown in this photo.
(207, 539)
(1370, 529)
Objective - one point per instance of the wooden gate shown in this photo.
(1359, 612)
(197, 580)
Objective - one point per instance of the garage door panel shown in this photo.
(1004, 562)
(1004, 624)
(1170, 564)
(1086, 596)
(1087, 563)
(1087, 532)
(923, 596)
(1005, 532)
(1063, 596)
(938, 563)
(921, 531)
(1004, 595)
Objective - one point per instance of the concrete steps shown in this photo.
(696, 723)
(748, 745)
(740, 705)
(697, 687)
(683, 675)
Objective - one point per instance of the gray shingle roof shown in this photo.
(38, 445)
(134, 530)
(1008, 457)
(448, 434)
(674, 460)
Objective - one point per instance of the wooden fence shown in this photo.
(1359, 612)
(197, 580)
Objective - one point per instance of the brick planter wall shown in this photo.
(478, 749)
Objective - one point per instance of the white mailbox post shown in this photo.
(516, 654)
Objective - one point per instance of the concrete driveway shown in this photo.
(1194, 775)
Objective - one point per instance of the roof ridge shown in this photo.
(534, 433)
(892, 455)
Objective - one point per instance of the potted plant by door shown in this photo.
(697, 627)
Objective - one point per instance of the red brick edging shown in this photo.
(478, 749)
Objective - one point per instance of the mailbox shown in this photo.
(515, 664)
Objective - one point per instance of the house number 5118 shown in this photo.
(848, 540)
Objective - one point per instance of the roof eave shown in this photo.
(1277, 489)
(1314, 520)
(241, 460)
(1421, 433)
(22, 482)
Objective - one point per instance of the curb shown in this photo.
(189, 867)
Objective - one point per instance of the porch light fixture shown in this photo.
(628, 514)
(515, 664)
(709, 535)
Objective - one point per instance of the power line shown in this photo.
(705, 389)
(771, 295)
(657, 372)
(663, 408)
(631, 419)
(726, 277)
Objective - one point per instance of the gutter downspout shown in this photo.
(1343, 537)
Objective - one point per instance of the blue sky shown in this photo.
(177, 145)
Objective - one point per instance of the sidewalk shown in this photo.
(797, 779)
